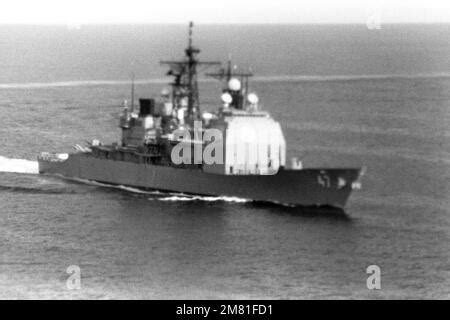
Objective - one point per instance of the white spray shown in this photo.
(18, 165)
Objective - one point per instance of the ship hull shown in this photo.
(304, 187)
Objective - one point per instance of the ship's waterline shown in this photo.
(307, 187)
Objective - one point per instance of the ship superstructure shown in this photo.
(169, 144)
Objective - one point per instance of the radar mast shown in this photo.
(185, 84)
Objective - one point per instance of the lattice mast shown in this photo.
(185, 73)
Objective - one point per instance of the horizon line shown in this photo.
(265, 78)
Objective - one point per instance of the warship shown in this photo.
(169, 145)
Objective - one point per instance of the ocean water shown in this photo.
(344, 95)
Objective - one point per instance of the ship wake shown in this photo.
(272, 79)
(163, 195)
(169, 196)
(18, 165)
(183, 197)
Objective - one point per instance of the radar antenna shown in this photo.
(185, 73)
(225, 75)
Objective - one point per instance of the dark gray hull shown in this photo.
(305, 187)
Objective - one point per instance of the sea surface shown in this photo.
(344, 95)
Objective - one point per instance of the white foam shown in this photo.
(136, 190)
(203, 198)
(18, 165)
(172, 196)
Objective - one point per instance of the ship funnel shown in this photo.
(147, 107)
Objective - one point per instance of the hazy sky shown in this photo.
(222, 11)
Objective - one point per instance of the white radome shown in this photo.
(207, 115)
(252, 98)
(226, 98)
(234, 84)
(63, 156)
